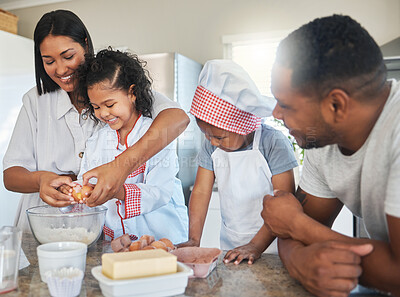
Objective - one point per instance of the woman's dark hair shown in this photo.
(122, 70)
(333, 52)
(57, 23)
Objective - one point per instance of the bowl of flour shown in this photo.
(76, 223)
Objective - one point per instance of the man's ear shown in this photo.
(335, 106)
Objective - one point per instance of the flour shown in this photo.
(80, 234)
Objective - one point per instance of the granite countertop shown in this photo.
(266, 277)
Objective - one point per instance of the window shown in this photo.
(256, 54)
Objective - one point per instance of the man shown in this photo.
(330, 83)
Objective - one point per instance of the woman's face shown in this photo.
(61, 56)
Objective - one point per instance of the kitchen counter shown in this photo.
(266, 277)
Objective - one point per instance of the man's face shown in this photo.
(300, 114)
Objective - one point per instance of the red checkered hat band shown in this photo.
(217, 112)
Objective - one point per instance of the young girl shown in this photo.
(50, 134)
(117, 91)
(247, 160)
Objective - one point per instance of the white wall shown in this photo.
(194, 28)
(16, 78)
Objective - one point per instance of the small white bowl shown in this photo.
(56, 255)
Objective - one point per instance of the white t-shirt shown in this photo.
(51, 135)
(367, 182)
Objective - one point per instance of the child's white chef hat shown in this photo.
(227, 98)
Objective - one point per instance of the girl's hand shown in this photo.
(247, 251)
(190, 242)
(49, 182)
(110, 180)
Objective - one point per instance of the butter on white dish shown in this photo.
(155, 286)
(138, 264)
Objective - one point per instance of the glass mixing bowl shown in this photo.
(76, 222)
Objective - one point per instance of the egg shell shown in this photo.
(159, 245)
(147, 238)
(135, 246)
(149, 247)
(79, 192)
(168, 243)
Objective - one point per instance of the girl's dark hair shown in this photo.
(122, 70)
(57, 23)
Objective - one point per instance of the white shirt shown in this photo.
(154, 202)
(367, 182)
(51, 135)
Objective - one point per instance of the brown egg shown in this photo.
(86, 191)
(149, 247)
(79, 192)
(159, 245)
(121, 243)
(125, 240)
(168, 243)
(147, 238)
(135, 246)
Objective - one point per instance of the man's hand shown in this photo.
(279, 212)
(49, 183)
(110, 181)
(248, 251)
(328, 268)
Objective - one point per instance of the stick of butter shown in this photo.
(138, 264)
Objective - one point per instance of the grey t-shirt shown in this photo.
(274, 146)
(367, 182)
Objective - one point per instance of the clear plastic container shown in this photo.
(10, 247)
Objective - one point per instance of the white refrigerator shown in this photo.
(176, 76)
(16, 78)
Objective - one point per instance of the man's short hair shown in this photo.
(333, 52)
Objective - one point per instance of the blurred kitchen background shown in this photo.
(177, 37)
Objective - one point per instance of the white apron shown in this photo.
(243, 179)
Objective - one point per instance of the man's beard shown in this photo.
(311, 139)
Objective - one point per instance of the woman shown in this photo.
(49, 137)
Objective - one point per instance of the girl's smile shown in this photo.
(113, 106)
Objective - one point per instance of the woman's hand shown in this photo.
(65, 189)
(190, 242)
(49, 182)
(248, 251)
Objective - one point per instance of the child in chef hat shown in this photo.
(246, 158)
